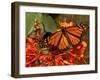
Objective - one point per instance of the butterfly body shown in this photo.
(63, 31)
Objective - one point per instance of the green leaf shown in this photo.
(38, 47)
(30, 19)
(49, 23)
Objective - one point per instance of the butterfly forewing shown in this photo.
(55, 38)
(75, 31)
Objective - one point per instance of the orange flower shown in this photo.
(31, 52)
(31, 46)
(59, 60)
(46, 59)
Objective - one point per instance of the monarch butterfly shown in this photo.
(67, 37)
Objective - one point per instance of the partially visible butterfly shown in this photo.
(45, 39)
(67, 37)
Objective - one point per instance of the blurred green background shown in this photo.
(49, 21)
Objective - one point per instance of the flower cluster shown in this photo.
(38, 57)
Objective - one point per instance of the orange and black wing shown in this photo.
(59, 40)
(75, 31)
(70, 37)
(63, 44)
(55, 38)
(74, 34)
